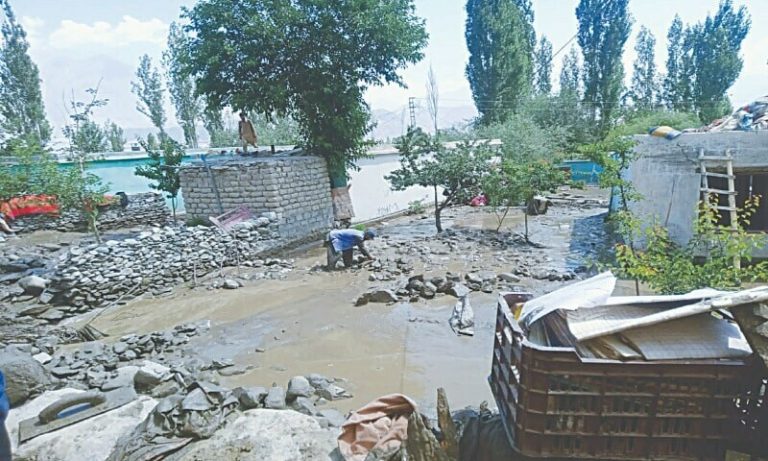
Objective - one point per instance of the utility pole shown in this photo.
(412, 109)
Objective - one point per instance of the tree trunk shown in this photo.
(438, 224)
(526, 224)
(173, 208)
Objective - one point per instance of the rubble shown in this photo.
(24, 375)
(158, 260)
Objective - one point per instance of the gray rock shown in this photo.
(150, 375)
(458, 290)
(318, 381)
(33, 285)
(251, 397)
(333, 392)
(63, 372)
(275, 398)
(196, 401)
(299, 386)
(377, 296)
(304, 405)
(233, 371)
(124, 378)
(24, 376)
(509, 277)
(52, 315)
(334, 417)
(231, 284)
(120, 348)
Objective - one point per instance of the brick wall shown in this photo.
(295, 188)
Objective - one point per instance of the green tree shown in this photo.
(644, 77)
(151, 142)
(672, 269)
(163, 168)
(311, 59)
(543, 62)
(517, 181)
(529, 134)
(501, 40)
(275, 130)
(115, 136)
(148, 88)
(676, 85)
(22, 113)
(181, 87)
(570, 74)
(716, 44)
(427, 163)
(84, 135)
(641, 122)
(604, 27)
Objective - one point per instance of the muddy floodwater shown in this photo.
(308, 323)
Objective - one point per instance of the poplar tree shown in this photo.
(674, 86)
(644, 78)
(22, 112)
(148, 88)
(570, 74)
(181, 86)
(604, 27)
(544, 67)
(501, 41)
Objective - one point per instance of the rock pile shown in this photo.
(99, 365)
(421, 286)
(147, 209)
(158, 260)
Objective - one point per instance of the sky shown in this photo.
(79, 43)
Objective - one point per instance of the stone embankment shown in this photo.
(160, 259)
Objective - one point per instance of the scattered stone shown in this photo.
(53, 315)
(123, 378)
(509, 277)
(275, 398)
(458, 290)
(333, 417)
(24, 376)
(377, 296)
(231, 284)
(33, 285)
(299, 386)
(251, 397)
(42, 357)
(333, 392)
(304, 405)
(233, 371)
(150, 375)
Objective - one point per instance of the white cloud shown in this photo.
(72, 34)
(32, 25)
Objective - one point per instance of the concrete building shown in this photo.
(667, 174)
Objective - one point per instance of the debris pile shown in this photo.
(752, 117)
(158, 260)
(147, 209)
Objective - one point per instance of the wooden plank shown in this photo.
(719, 191)
(718, 175)
(732, 204)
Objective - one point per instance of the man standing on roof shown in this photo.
(342, 242)
(247, 133)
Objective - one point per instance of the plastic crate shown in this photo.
(558, 405)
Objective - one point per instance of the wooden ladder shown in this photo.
(707, 191)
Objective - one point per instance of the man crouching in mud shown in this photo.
(342, 242)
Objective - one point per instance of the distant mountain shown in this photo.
(391, 124)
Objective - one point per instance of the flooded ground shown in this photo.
(308, 323)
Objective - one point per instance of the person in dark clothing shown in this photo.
(5, 440)
(342, 242)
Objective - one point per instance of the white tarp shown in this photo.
(605, 320)
(594, 291)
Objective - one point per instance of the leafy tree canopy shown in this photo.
(311, 59)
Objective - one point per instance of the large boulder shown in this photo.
(24, 376)
(261, 434)
(90, 439)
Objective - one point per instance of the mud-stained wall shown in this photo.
(666, 173)
(297, 189)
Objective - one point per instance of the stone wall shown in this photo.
(666, 173)
(148, 209)
(295, 188)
